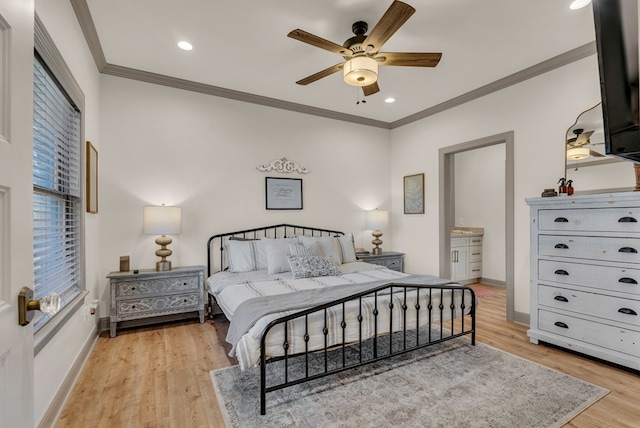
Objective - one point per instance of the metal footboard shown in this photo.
(399, 318)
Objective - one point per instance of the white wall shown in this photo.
(54, 361)
(539, 111)
(480, 202)
(164, 145)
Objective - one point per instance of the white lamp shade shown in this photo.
(162, 220)
(578, 153)
(376, 219)
(360, 71)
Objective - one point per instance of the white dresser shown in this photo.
(585, 275)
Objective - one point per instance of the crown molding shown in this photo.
(85, 20)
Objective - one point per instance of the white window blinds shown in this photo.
(57, 198)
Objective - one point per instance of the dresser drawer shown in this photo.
(159, 305)
(604, 335)
(475, 254)
(393, 264)
(593, 219)
(157, 286)
(598, 305)
(475, 240)
(604, 278)
(625, 250)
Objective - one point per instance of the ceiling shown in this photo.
(242, 46)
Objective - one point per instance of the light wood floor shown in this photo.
(159, 376)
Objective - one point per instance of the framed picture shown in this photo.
(414, 194)
(284, 193)
(92, 179)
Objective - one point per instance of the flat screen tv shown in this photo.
(616, 25)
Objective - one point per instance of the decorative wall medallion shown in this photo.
(283, 165)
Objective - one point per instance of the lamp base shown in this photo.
(163, 265)
(376, 251)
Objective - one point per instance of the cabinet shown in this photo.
(466, 258)
(585, 275)
(391, 260)
(149, 293)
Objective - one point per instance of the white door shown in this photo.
(459, 263)
(16, 242)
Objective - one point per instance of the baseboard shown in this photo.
(521, 318)
(493, 282)
(53, 411)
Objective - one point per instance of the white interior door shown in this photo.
(16, 242)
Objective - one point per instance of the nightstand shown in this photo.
(391, 260)
(150, 293)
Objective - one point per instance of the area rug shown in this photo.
(452, 384)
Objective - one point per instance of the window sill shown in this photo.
(49, 330)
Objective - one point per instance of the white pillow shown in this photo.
(328, 246)
(246, 255)
(346, 247)
(277, 251)
(302, 250)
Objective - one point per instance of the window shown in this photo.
(57, 201)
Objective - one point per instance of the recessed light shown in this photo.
(579, 4)
(390, 100)
(185, 46)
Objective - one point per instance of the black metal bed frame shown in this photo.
(407, 340)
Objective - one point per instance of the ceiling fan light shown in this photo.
(578, 153)
(360, 71)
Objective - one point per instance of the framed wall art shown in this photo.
(91, 185)
(414, 194)
(283, 193)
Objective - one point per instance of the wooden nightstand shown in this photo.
(149, 293)
(391, 260)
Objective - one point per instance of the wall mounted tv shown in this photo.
(616, 25)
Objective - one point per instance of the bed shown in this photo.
(293, 293)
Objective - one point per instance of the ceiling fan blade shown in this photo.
(583, 138)
(409, 59)
(318, 42)
(319, 75)
(391, 21)
(596, 154)
(371, 89)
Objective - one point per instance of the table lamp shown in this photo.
(376, 220)
(162, 220)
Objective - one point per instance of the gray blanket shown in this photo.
(250, 311)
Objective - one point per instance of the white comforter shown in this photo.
(230, 290)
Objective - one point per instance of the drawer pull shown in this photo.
(627, 220)
(627, 250)
(560, 324)
(627, 311)
(561, 299)
(561, 272)
(562, 246)
(561, 220)
(133, 288)
(627, 280)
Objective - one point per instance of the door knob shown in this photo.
(49, 304)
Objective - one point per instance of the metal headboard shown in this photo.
(218, 262)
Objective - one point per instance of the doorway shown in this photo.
(447, 206)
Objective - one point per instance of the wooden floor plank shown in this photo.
(159, 376)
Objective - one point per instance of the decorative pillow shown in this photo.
(277, 251)
(312, 266)
(301, 250)
(246, 256)
(328, 246)
(346, 247)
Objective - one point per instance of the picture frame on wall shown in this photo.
(91, 184)
(283, 193)
(414, 194)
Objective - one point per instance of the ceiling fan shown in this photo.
(362, 52)
(577, 147)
